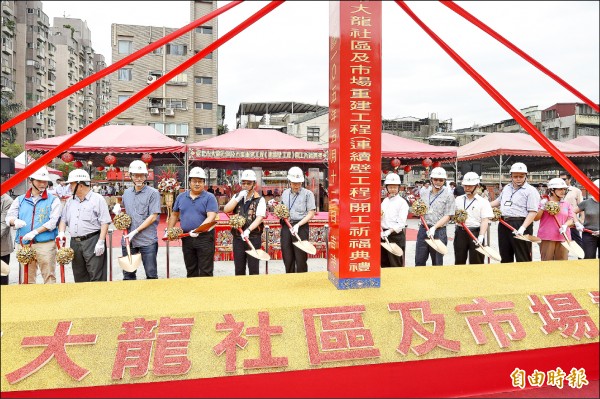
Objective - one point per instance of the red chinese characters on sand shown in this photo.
(234, 340)
(410, 326)
(135, 347)
(342, 336)
(594, 296)
(563, 312)
(55, 347)
(493, 320)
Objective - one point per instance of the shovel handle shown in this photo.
(559, 226)
(470, 233)
(291, 231)
(424, 223)
(506, 224)
(589, 231)
(246, 239)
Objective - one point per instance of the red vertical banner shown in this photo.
(354, 143)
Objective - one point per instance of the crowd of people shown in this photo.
(42, 215)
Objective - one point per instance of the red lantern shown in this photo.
(77, 164)
(266, 173)
(436, 164)
(427, 162)
(67, 157)
(306, 173)
(117, 169)
(228, 172)
(147, 158)
(110, 159)
(395, 163)
(385, 172)
(407, 168)
(100, 168)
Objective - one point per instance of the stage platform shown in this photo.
(429, 331)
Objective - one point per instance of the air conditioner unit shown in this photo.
(151, 79)
(181, 139)
(169, 112)
(154, 111)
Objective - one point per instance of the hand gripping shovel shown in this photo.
(435, 243)
(391, 246)
(486, 250)
(62, 267)
(129, 263)
(255, 253)
(200, 229)
(524, 237)
(572, 246)
(305, 245)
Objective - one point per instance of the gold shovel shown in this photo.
(524, 237)
(255, 253)
(571, 246)
(130, 263)
(391, 246)
(306, 246)
(435, 243)
(485, 250)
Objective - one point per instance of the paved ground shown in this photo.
(225, 268)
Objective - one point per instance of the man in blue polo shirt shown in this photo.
(193, 208)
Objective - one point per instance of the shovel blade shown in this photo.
(393, 248)
(306, 247)
(489, 252)
(258, 254)
(574, 249)
(130, 265)
(438, 245)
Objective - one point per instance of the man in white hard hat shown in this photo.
(591, 222)
(142, 203)
(252, 206)
(196, 207)
(518, 203)
(479, 214)
(6, 241)
(574, 196)
(440, 207)
(302, 206)
(394, 212)
(35, 215)
(88, 218)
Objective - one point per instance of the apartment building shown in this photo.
(185, 108)
(566, 121)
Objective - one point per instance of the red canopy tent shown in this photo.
(586, 141)
(393, 146)
(118, 139)
(243, 148)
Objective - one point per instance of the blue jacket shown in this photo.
(35, 215)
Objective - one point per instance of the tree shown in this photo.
(222, 129)
(8, 110)
(12, 150)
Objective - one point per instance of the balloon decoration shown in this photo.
(78, 164)
(147, 158)
(427, 162)
(436, 164)
(266, 173)
(100, 168)
(407, 168)
(395, 163)
(67, 157)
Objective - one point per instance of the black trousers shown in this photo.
(388, 259)
(240, 257)
(86, 265)
(591, 245)
(294, 258)
(465, 247)
(576, 236)
(4, 279)
(512, 249)
(199, 254)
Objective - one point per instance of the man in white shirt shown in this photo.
(479, 213)
(394, 211)
(574, 197)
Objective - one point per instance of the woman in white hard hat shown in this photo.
(196, 207)
(394, 212)
(302, 206)
(591, 241)
(88, 218)
(35, 215)
(440, 207)
(479, 214)
(252, 206)
(142, 203)
(518, 203)
(551, 235)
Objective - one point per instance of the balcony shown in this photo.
(7, 84)
(592, 120)
(7, 46)
(7, 9)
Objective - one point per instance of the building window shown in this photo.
(313, 133)
(207, 106)
(125, 74)
(171, 129)
(176, 103)
(123, 98)
(176, 49)
(203, 80)
(125, 46)
(204, 131)
(157, 51)
(205, 29)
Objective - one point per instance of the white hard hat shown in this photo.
(470, 179)
(138, 166)
(248, 174)
(41, 174)
(295, 175)
(392, 178)
(557, 182)
(518, 167)
(438, 173)
(597, 182)
(197, 172)
(78, 175)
